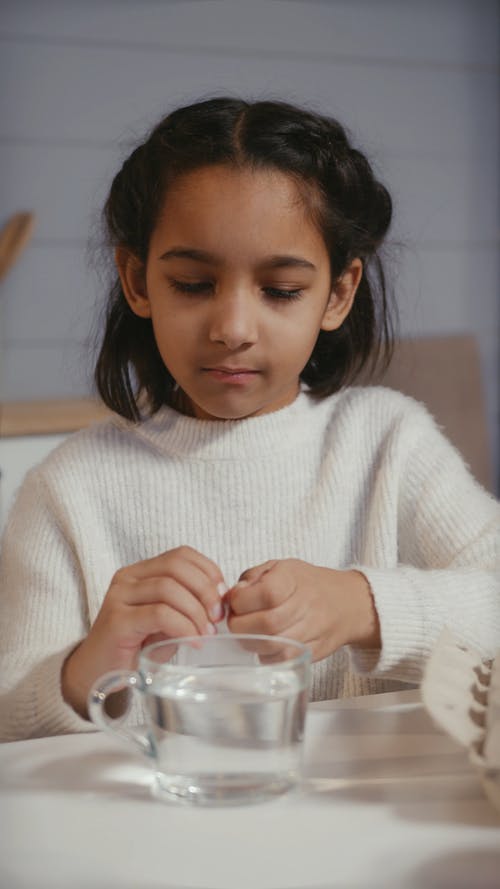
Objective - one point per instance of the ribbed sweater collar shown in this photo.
(175, 434)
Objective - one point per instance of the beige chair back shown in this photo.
(444, 373)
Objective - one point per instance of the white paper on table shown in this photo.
(239, 656)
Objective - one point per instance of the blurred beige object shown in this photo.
(13, 239)
(49, 417)
(461, 692)
(444, 373)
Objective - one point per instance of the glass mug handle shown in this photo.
(109, 683)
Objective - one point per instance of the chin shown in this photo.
(225, 414)
(225, 411)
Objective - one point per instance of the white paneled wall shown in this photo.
(416, 83)
(17, 455)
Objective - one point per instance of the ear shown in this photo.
(342, 296)
(133, 280)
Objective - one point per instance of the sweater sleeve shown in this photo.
(43, 616)
(448, 571)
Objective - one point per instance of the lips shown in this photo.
(233, 370)
(231, 376)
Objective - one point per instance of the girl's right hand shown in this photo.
(177, 593)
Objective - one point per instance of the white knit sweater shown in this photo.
(361, 479)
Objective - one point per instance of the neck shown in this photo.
(181, 403)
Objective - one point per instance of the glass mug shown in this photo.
(224, 715)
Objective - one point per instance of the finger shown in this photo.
(269, 622)
(154, 637)
(264, 648)
(268, 593)
(298, 632)
(257, 571)
(168, 591)
(288, 653)
(172, 649)
(143, 621)
(166, 653)
(274, 650)
(185, 574)
(189, 575)
(161, 564)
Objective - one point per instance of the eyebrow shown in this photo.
(277, 261)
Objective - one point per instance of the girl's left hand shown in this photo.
(321, 607)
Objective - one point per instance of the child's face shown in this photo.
(237, 284)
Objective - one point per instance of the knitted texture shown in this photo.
(363, 479)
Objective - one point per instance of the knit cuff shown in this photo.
(404, 627)
(54, 716)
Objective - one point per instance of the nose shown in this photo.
(233, 320)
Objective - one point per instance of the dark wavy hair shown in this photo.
(351, 209)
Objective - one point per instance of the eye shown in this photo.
(190, 286)
(278, 293)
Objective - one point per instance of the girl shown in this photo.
(249, 296)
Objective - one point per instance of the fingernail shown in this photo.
(217, 611)
(222, 588)
(241, 583)
(210, 630)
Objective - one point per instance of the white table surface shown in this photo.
(76, 813)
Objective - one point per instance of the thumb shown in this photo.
(252, 575)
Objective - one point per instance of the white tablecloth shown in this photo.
(387, 801)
